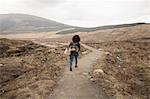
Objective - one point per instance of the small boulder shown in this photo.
(108, 53)
(51, 50)
(85, 52)
(98, 71)
(92, 80)
(1, 64)
(100, 49)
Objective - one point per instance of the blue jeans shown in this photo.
(72, 58)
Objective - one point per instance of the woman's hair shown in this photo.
(76, 38)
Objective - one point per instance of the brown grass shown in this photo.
(126, 68)
(28, 70)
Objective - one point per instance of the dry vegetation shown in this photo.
(118, 34)
(28, 70)
(125, 65)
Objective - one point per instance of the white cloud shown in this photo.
(82, 12)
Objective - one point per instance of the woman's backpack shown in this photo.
(73, 47)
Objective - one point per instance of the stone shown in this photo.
(108, 53)
(100, 49)
(1, 64)
(51, 50)
(98, 71)
(92, 80)
(85, 52)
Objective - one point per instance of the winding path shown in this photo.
(76, 84)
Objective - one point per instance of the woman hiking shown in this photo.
(74, 48)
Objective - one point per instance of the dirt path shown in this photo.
(76, 84)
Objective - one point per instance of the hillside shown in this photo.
(79, 29)
(18, 23)
(23, 23)
(28, 70)
(126, 62)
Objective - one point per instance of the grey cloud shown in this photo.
(82, 12)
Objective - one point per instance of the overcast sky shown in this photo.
(87, 13)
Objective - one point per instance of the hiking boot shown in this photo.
(70, 69)
(76, 66)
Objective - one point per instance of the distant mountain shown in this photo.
(99, 28)
(22, 23)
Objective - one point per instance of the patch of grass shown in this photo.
(126, 69)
